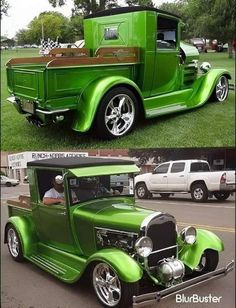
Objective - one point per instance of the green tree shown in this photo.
(139, 2)
(4, 6)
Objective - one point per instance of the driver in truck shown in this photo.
(55, 195)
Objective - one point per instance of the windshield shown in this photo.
(93, 187)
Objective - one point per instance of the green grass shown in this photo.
(209, 126)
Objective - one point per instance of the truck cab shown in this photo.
(133, 65)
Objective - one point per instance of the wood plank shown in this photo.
(78, 52)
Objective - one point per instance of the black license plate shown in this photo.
(28, 107)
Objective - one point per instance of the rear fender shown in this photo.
(191, 254)
(205, 85)
(92, 96)
(26, 230)
(126, 267)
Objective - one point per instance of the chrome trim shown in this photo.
(152, 298)
(11, 99)
(174, 246)
(147, 220)
(51, 112)
(116, 231)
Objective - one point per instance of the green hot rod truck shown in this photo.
(99, 231)
(133, 64)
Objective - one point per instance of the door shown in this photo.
(167, 61)
(158, 179)
(177, 179)
(52, 221)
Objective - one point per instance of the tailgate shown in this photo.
(26, 82)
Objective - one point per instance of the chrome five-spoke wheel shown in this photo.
(222, 89)
(106, 285)
(14, 244)
(119, 114)
(116, 114)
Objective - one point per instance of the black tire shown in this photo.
(165, 195)
(199, 192)
(221, 90)
(221, 195)
(208, 262)
(14, 243)
(8, 184)
(127, 290)
(141, 191)
(109, 107)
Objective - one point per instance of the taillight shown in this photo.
(223, 178)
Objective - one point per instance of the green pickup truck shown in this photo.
(133, 65)
(89, 228)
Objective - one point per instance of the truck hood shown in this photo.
(142, 177)
(190, 51)
(113, 213)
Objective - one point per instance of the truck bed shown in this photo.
(59, 75)
(19, 208)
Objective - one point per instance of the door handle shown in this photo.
(181, 176)
(164, 176)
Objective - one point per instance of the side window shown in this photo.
(166, 33)
(162, 169)
(177, 167)
(45, 179)
(199, 167)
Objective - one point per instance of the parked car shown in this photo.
(199, 43)
(116, 243)
(119, 182)
(8, 181)
(133, 65)
(186, 176)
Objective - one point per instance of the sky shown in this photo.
(21, 12)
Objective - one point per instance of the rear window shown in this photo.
(199, 167)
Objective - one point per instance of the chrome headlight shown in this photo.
(188, 235)
(205, 67)
(144, 246)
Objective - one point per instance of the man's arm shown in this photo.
(49, 201)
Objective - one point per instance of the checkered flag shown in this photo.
(47, 45)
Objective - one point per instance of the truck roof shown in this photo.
(76, 162)
(122, 10)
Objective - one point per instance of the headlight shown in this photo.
(188, 235)
(205, 67)
(143, 246)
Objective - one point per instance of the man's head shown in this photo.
(58, 183)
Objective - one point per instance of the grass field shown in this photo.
(212, 125)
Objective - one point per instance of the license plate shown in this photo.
(28, 107)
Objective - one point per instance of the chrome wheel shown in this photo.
(106, 284)
(13, 243)
(222, 89)
(119, 114)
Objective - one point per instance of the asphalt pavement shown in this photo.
(24, 285)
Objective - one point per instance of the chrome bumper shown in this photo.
(155, 297)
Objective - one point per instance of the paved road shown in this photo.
(26, 286)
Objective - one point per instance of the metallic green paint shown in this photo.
(126, 267)
(104, 170)
(26, 230)
(191, 254)
(91, 98)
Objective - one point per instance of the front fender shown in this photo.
(26, 230)
(92, 96)
(204, 86)
(126, 267)
(191, 254)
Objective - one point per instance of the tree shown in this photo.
(4, 7)
(139, 2)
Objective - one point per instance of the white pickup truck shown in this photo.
(186, 176)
